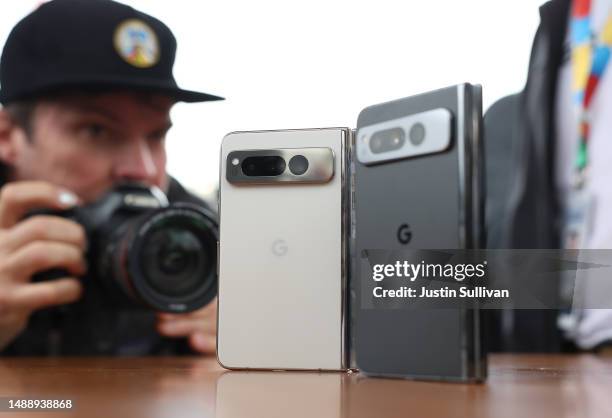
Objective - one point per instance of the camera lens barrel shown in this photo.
(165, 259)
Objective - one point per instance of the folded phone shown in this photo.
(418, 185)
(283, 249)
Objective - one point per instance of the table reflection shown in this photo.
(279, 394)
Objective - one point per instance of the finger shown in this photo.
(203, 343)
(209, 310)
(44, 228)
(34, 296)
(40, 256)
(185, 326)
(165, 316)
(17, 198)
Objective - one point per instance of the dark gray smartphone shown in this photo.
(418, 184)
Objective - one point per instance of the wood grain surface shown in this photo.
(518, 386)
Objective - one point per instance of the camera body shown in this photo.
(145, 253)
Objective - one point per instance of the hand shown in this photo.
(33, 245)
(199, 326)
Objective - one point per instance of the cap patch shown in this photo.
(136, 43)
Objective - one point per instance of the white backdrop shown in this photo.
(316, 63)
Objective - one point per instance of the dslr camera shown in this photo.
(146, 253)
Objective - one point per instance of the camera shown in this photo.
(273, 165)
(393, 139)
(280, 165)
(417, 134)
(410, 136)
(269, 165)
(146, 253)
(387, 140)
(298, 165)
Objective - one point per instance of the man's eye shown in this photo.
(158, 136)
(95, 130)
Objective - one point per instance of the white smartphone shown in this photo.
(283, 208)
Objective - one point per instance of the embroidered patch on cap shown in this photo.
(136, 43)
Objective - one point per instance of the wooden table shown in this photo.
(519, 386)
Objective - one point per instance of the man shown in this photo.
(547, 172)
(86, 88)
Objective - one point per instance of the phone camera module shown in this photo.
(387, 140)
(264, 166)
(298, 165)
(417, 134)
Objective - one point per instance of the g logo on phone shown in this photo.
(404, 234)
(279, 247)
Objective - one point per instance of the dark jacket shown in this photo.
(85, 328)
(523, 208)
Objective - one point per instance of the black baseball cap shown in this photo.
(90, 44)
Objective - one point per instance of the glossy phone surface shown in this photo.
(420, 188)
(283, 264)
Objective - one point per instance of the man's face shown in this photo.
(89, 143)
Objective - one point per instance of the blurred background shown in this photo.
(284, 64)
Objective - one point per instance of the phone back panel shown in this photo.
(434, 195)
(282, 263)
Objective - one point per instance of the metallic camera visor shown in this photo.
(414, 135)
(286, 165)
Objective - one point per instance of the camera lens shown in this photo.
(376, 144)
(417, 134)
(164, 258)
(387, 140)
(174, 260)
(298, 165)
(176, 255)
(265, 166)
